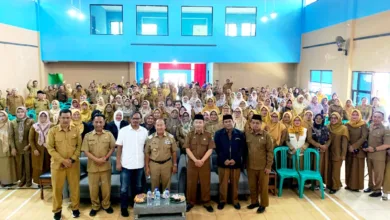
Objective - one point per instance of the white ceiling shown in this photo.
(112, 8)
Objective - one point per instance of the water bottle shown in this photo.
(157, 196)
(149, 198)
(166, 195)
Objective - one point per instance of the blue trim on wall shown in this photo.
(139, 71)
(19, 13)
(162, 72)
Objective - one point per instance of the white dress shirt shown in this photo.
(133, 142)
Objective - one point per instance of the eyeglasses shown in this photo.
(136, 119)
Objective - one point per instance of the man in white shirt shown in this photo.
(130, 159)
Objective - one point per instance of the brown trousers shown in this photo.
(58, 179)
(161, 172)
(37, 171)
(334, 174)
(23, 167)
(227, 175)
(376, 172)
(258, 184)
(104, 179)
(201, 175)
(354, 172)
(386, 182)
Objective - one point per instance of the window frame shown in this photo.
(321, 83)
(90, 20)
(358, 83)
(305, 5)
(240, 24)
(136, 21)
(212, 21)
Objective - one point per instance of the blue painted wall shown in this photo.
(68, 39)
(20, 13)
(325, 13)
(100, 19)
(160, 19)
(191, 19)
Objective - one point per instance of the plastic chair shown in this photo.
(283, 171)
(307, 173)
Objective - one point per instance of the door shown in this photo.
(361, 86)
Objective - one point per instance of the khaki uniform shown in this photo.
(105, 96)
(41, 105)
(186, 92)
(64, 144)
(3, 105)
(51, 95)
(150, 98)
(386, 182)
(23, 158)
(92, 95)
(172, 125)
(376, 161)
(99, 146)
(199, 144)
(337, 151)
(41, 163)
(226, 87)
(32, 90)
(160, 150)
(260, 157)
(78, 94)
(14, 102)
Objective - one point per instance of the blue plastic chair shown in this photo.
(283, 171)
(307, 173)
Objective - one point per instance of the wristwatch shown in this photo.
(72, 160)
(374, 149)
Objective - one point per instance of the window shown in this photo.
(361, 86)
(116, 27)
(240, 21)
(152, 20)
(106, 19)
(196, 21)
(321, 79)
(308, 2)
(231, 30)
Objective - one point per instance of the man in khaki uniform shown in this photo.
(160, 157)
(32, 87)
(199, 145)
(98, 145)
(78, 93)
(149, 97)
(228, 86)
(41, 104)
(63, 144)
(14, 101)
(3, 104)
(260, 159)
(376, 160)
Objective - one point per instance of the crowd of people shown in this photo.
(147, 125)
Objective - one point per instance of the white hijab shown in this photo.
(237, 101)
(118, 123)
(186, 105)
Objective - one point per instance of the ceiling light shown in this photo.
(264, 19)
(72, 12)
(80, 16)
(273, 15)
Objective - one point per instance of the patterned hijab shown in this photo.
(4, 128)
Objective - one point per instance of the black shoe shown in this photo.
(221, 205)
(376, 194)
(368, 190)
(109, 210)
(332, 191)
(237, 206)
(189, 207)
(252, 206)
(57, 216)
(209, 208)
(261, 209)
(124, 213)
(75, 213)
(93, 212)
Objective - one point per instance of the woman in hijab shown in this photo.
(109, 113)
(20, 145)
(288, 107)
(173, 122)
(318, 137)
(296, 139)
(186, 103)
(268, 104)
(75, 104)
(376, 106)
(55, 111)
(325, 106)
(118, 102)
(182, 110)
(117, 124)
(182, 131)
(85, 112)
(336, 107)
(40, 158)
(69, 90)
(100, 105)
(194, 98)
(145, 110)
(348, 108)
(254, 97)
(248, 121)
(213, 125)
(314, 106)
(334, 97)
(307, 119)
(365, 110)
(136, 105)
(299, 105)
(127, 110)
(252, 101)
(78, 122)
(264, 112)
(209, 95)
(169, 105)
(197, 108)
(7, 161)
(221, 101)
(354, 162)
(296, 92)
(287, 119)
(277, 130)
(206, 115)
(282, 104)
(210, 106)
(337, 151)
(243, 105)
(307, 99)
(149, 122)
(157, 114)
(238, 119)
(237, 100)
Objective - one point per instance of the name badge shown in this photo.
(167, 142)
